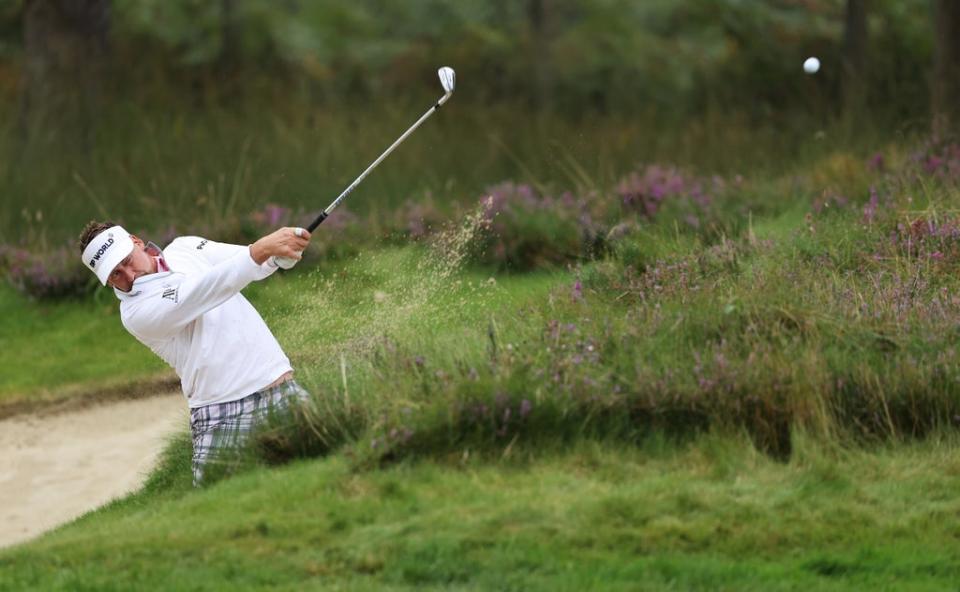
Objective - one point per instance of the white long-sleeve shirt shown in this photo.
(195, 318)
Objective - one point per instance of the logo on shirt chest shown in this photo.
(171, 294)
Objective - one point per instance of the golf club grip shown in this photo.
(317, 222)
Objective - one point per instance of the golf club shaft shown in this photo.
(323, 215)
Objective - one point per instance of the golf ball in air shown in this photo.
(811, 65)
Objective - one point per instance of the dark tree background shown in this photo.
(66, 45)
(570, 56)
(855, 55)
(946, 77)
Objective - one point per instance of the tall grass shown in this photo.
(186, 166)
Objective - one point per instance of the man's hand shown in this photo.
(286, 243)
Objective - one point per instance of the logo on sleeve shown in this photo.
(202, 243)
(172, 294)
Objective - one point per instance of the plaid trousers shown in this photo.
(222, 427)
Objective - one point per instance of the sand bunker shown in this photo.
(55, 468)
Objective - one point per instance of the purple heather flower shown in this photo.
(341, 219)
(525, 407)
(275, 214)
(870, 210)
(271, 216)
(577, 291)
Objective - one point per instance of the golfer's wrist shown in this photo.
(258, 253)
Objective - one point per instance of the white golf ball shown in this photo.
(811, 65)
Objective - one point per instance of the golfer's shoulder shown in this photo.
(186, 244)
(184, 252)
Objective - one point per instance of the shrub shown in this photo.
(340, 235)
(938, 158)
(662, 190)
(337, 237)
(529, 230)
(46, 275)
(416, 220)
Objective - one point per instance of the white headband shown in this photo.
(106, 251)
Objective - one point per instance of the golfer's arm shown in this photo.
(170, 310)
(216, 253)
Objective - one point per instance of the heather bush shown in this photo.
(339, 236)
(934, 238)
(46, 274)
(417, 219)
(937, 158)
(267, 219)
(658, 192)
(10, 256)
(58, 273)
(529, 230)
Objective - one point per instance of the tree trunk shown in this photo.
(228, 35)
(66, 44)
(946, 71)
(855, 38)
(539, 19)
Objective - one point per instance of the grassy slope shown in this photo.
(712, 516)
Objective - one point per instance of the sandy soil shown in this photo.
(55, 468)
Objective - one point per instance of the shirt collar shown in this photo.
(163, 270)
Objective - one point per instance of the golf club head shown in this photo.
(448, 78)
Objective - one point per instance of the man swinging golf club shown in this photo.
(184, 303)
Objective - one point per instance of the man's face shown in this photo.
(137, 263)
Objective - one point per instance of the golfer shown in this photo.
(184, 303)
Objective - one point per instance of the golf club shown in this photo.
(448, 78)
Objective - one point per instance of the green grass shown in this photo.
(49, 351)
(713, 515)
